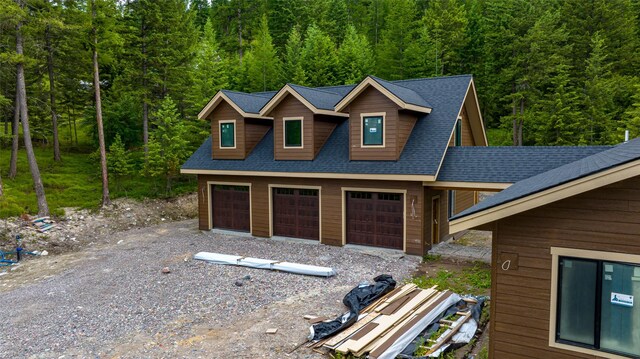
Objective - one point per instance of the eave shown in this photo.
(364, 176)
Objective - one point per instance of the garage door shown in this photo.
(296, 213)
(230, 207)
(375, 219)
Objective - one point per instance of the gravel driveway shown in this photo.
(113, 300)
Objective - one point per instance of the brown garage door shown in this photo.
(230, 207)
(296, 213)
(375, 219)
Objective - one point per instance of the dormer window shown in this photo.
(228, 134)
(373, 129)
(292, 132)
(458, 134)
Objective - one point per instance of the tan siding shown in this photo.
(429, 194)
(370, 101)
(331, 205)
(467, 135)
(606, 219)
(464, 200)
(224, 112)
(323, 127)
(254, 132)
(406, 122)
(291, 107)
(203, 204)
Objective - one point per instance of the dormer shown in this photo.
(303, 120)
(236, 124)
(381, 118)
(469, 128)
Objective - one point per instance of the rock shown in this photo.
(239, 283)
(44, 253)
(120, 241)
(166, 270)
(247, 277)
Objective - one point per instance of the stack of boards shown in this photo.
(389, 324)
(43, 224)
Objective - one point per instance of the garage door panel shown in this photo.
(296, 213)
(375, 219)
(231, 208)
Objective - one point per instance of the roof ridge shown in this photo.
(261, 94)
(431, 78)
(315, 89)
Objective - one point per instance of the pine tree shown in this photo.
(263, 67)
(632, 116)
(210, 66)
(119, 160)
(397, 37)
(355, 56)
(293, 70)
(598, 101)
(283, 16)
(320, 60)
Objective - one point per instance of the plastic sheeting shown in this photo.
(356, 300)
(218, 258)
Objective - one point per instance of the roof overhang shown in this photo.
(550, 195)
(288, 90)
(217, 99)
(472, 186)
(382, 177)
(371, 82)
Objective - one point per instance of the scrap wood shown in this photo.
(380, 300)
(272, 331)
(402, 292)
(340, 337)
(450, 332)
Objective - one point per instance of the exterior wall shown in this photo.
(429, 195)
(464, 200)
(331, 205)
(373, 101)
(605, 219)
(467, 135)
(225, 112)
(323, 127)
(291, 107)
(406, 122)
(254, 131)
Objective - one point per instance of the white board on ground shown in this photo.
(218, 258)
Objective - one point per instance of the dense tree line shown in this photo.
(548, 72)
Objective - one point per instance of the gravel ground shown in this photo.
(112, 300)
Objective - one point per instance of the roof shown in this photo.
(249, 102)
(422, 154)
(508, 164)
(405, 94)
(324, 99)
(596, 163)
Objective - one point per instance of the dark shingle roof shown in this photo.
(323, 99)
(508, 164)
(405, 94)
(249, 102)
(598, 162)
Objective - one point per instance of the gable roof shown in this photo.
(247, 104)
(318, 100)
(603, 168)
(403, 96)
(507, 164)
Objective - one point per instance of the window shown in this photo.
(595, 305)
(373, 130)
(292, 132)
(227, 134)
(458, 134)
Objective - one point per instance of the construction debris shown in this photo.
(296, 268)
(272, 331)
(404, 321)
(43, 224)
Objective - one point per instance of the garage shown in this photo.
(296, 213)
(230, 207)
(375, 219)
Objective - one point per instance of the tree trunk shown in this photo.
(96, 86)
(240, 51)
(15, 139)
(43, 207)
(52, 95)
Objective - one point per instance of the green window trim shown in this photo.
(373, 130)
(293, 132)
(228, 134)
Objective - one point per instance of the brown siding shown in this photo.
(406, 122)
(606, 219)
(464, 200)
(254, 132)
(224, 112)
(429, 194)
(467, 135)
(323, 127)
(330, 203)
(291, 107)
(369, 101)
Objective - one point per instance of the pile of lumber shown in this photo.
(388, 325)
(43, 224)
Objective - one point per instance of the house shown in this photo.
(566, 259)
(380, 163)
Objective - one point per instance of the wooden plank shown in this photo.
(377, 302)
(404, 290)
(364, 331)
(386, 322)
(391, 308)
(452, 331)
(352, 329)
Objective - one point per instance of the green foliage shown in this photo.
(355, 57)
(118, 159)
(397, 38)
(471, 280)
(431, 257)
(211, 67)
(168, 145)
(320, 60)
(632, 116)
(262, 66)
(293, 70)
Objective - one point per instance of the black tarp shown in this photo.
(356, 300)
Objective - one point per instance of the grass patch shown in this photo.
(470, 280)
(74, 182)
(431, 257)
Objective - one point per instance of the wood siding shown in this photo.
(331, 205)
(291, 107)
(373, 101)
(254, 131)
(605, 219)
(225, 112)
(429, 194)
(323, 127)
(464, 200)
(467, 135)
(406, 122)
